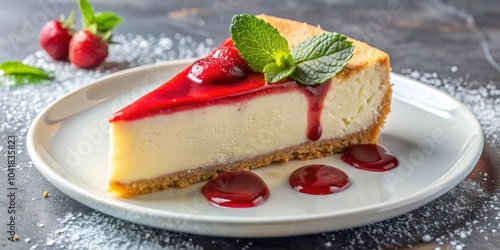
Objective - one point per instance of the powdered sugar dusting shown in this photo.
(469, 211)
(97, 231)
(450, 220)
(479, 93)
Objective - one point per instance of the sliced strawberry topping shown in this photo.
(224, 63)
(230, 54)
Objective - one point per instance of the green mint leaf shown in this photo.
(107, 21)
(311, 62)
(16, 67)
(258, 43)
(21, 73)
(274, 73)
(279, 70)
(87, 12)
(320, 58)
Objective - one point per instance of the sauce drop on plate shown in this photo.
(318, 179)
(236, 189)
(371, 157)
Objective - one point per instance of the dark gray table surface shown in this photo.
(454, 40)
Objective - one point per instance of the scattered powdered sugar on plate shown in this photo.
(471, 210)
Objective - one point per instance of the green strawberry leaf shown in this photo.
(21, 73)
(87, 12)
(106, 36)
(320, 58)
(69, 22)
(100, 23)
(92, 28)
(258, 43)
(107, 21)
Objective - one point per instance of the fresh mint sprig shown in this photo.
(21, 73)
(262, 47)
(313, 61)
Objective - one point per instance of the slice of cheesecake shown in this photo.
(185, 132)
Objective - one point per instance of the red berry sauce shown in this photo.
(236, 189)
(317, 94)
(318, 179)
(371, 157)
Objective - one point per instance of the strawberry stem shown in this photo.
(69, 22)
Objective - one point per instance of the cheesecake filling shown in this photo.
(227, 132)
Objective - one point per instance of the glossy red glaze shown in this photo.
(316, 98)
(371, 157)
(236, 189)
(183, 93)
(318, 179)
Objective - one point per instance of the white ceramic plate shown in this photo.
(437, 139)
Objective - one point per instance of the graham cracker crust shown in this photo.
(305, 151)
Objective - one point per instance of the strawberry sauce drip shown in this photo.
(318, 179)
(183, 93)
(371, 157)
(316, 98)
(236, 189)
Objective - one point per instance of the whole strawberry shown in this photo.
(55, 36)
(89, 46)
(87, 50)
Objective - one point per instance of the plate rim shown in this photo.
(106, 205)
